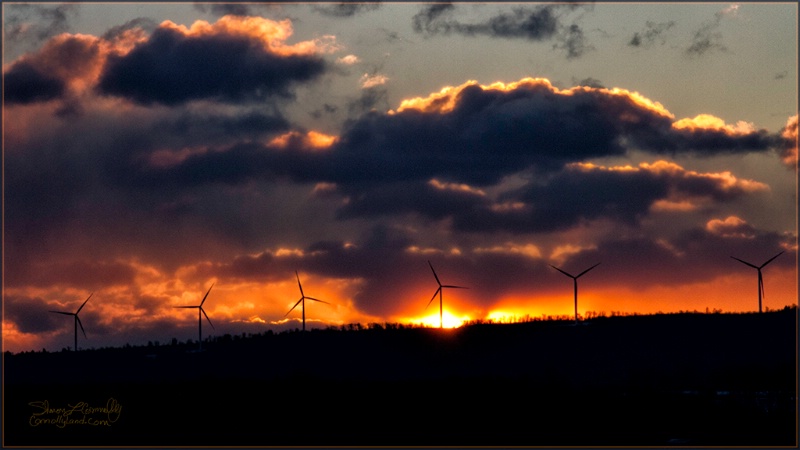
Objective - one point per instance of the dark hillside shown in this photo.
(677, 379)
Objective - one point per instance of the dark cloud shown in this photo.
(223, 9)
(376, 97)
(33, 23)
(346, 9)
(591, 82)
(425, 20)
(24, 83)
(653, 32)
(488, 135)
(574, 42)
(29, 314)
(46, 74)
(708, 38)
(173, 68)
(144, 23)
(540, 23)
(82, 274)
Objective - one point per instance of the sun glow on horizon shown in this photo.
(449, 320)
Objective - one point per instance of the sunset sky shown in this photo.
(151, 150)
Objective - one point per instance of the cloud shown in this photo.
(144, 24)
(224, 9)
(346, 9)
(540, 23)
(66, 64)
(29, 314)
(574, 42)
(789, 151)
(652, 34)
(348, 60)
(23, 83)
(30, 23)
(235, 59)
(371, 80)
(708, 38)
(477, 135)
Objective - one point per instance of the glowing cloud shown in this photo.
(271, 34)
(528, 250)
(456, 187)
(709, 122)
(789, 135)
(348, 60)
(312, 140)
(369, 81)
(731, 227)
(445, 100)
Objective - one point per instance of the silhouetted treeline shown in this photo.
(648, 380)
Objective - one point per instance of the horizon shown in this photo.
(452, 325)
(153, 150)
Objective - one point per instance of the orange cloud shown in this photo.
(272, 34)
(731, 226)
(789, 134)
(725, 180)
(712, 123)
(369, 81)
(444, 101)
(509, 248)
(456, 187)
(313, 140)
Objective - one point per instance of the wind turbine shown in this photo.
(760, 278)
(77, 320)
(200, 313)
(575, 284)
(439, 291)
(302, 300)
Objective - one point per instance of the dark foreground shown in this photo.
(665, 380)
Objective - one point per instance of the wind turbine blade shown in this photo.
(79, 323)
(590, 268)
(317, 300)
(770, 260)
(745, 262)
(62, 312)
(761, 286)
(206, 296)
(293, 307)
(185, 306)
(434, 296)
(457, 287)
(434, 274)
(299, 285)
(84, 303)
(565, 273)
(209, 320)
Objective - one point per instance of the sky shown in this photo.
(151, 150)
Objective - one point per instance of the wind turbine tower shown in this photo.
(575, 284)
(77, 320)
(760, 277)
